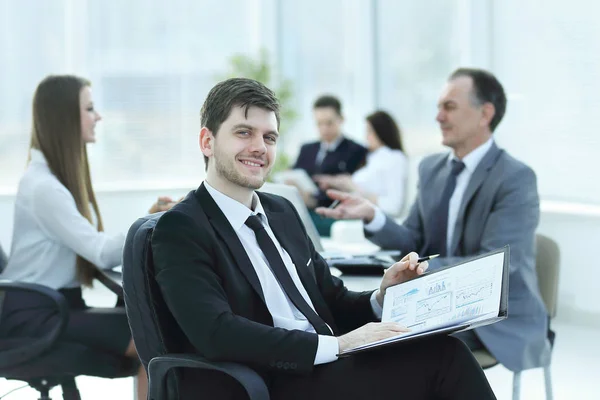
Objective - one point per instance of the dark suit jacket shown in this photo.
(212, 289)
(345, 159)
(500, 206)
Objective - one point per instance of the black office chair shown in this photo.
(48, 361)
(157, 336)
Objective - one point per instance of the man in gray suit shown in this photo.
(473, 200)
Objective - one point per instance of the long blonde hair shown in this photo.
(57, 134)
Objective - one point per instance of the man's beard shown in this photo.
(228, 171)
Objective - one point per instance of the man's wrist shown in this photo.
(342, 343)
(379, 297)
(377, 222)
(370, 216)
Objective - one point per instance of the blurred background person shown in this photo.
(333, 155)
(383, 179)
(472, 200)
(58, 238)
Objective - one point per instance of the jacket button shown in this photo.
(286, 365)
(279, 364)
(293, 365)
(272, 363)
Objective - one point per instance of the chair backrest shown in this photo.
(155, 332)
(547, 265)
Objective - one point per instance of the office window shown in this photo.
(326, 49)
(418, 46)
(151, 64)
(548, 57)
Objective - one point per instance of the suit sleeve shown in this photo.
(406, 237)
(299, 161)
(193, 291)
(358, 158)
(513, 220)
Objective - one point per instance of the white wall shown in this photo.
(577, 231)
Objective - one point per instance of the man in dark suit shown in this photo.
(333, 154)
(244, 282)
(472, 200)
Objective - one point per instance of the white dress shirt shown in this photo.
(385, 176)
(49, 232)
(284, 312)
(471, 162)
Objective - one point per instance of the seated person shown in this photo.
(383, 178)
(473, 200)
(243, 281)
(333, 154)
(57, 238)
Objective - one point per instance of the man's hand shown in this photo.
(368, 333)
(351, 206)
(341, 182)
(404, 270)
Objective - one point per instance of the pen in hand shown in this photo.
(427, 258)
(334, 204)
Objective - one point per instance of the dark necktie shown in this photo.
(439, 219)
(283, 276)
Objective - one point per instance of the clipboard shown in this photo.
(456, 324)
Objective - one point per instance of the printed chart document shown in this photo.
(299, 177)
(459, 297)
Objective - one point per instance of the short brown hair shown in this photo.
(329, 101)
(235, 92)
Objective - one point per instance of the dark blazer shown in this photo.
(500, 206)
(212, 289)
(345, 159)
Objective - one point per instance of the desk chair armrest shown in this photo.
(38, 346)
(158, 368)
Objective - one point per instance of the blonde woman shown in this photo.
(58, 239)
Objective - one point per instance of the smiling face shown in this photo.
(242, 152)
(464, 124)
(89, 116)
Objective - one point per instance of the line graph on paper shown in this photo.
(434, 306)
(475, 290)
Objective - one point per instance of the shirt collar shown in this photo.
(473, 159)
(333, 145)
(235, 212)
(380, 150)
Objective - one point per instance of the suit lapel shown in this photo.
(290, 240)
(479, 175)
(230, 238)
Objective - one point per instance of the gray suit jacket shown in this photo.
(500, 206)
